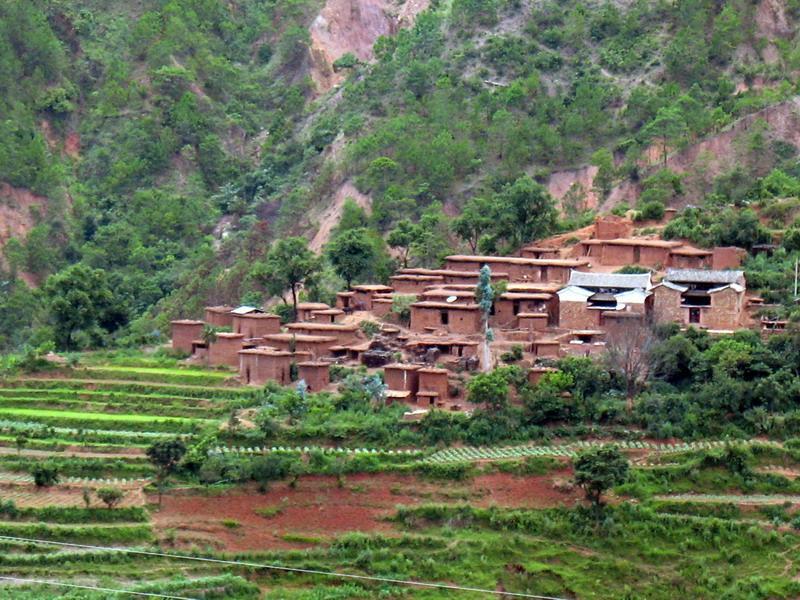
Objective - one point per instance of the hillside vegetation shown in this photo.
(174, 140)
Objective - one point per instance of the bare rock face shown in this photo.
(772, 20)
(352, 26)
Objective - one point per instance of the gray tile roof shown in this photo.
(610, 280)
(704, 276)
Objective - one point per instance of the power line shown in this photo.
(91, 587)
(334, 574)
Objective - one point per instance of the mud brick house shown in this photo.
(533, 321)
(327, 315)
(540, 252)
(316, 374)
(521, 269)
(257, 366)
(316, 345)
(433, 386)
(219, 316)
(454, 277)
(184, 332)
(451, 317)
(360, 297)
(543, 348)
(256, 324)
(609, 227)
(687, 257)
(510, 305)
(629, 251)
(306, 310)
(408, 283)
(447, 346)
(224, 350)
(588, 296)
(727, 257)
(442, 294)
(704, 298)
(342, 333)
(402, 380)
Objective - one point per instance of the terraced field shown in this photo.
(94, 424)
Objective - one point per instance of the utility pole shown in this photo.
(796, 263)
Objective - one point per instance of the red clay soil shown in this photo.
(318, 510)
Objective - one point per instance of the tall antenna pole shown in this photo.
(796, 262)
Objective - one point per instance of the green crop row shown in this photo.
(72, 515)
(173, 376)
(110, 386)
(81, 420)
(109, 407)
(78, 533)
(101, 396)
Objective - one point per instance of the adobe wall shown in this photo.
(729, 257)
(259, 368)
(184, 332)
(546, 349)
(577, 315)
(254, 326)
(434, 380)
(465, 322)
(504, 310)
(555, 274)
(414, 285)
(653, 257)
(217, 318)
(316, 375)
(401, 378)
(537, 322)
(616, 255)
(610, 227)
(683, 261)
(381, 307)
(225, 350)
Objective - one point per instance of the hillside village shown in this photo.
(552, 302)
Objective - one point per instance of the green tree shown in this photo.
(476, 219)
(489, 390)
(401, 238)
(351, 254)
(667, 128)
(604, 179)
(524, 211)
(598, 470)
(288, 265)
(165, 456)
(431, 242)
(81, 299)
(484, 296)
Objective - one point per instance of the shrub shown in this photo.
(110, 496)
(45, 475)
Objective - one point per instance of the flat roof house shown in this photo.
(704, 298)
(430, 316)
(521, 269)
(587, 296)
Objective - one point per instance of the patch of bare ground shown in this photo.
(317, 509)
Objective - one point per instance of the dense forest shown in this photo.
(172, 142)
